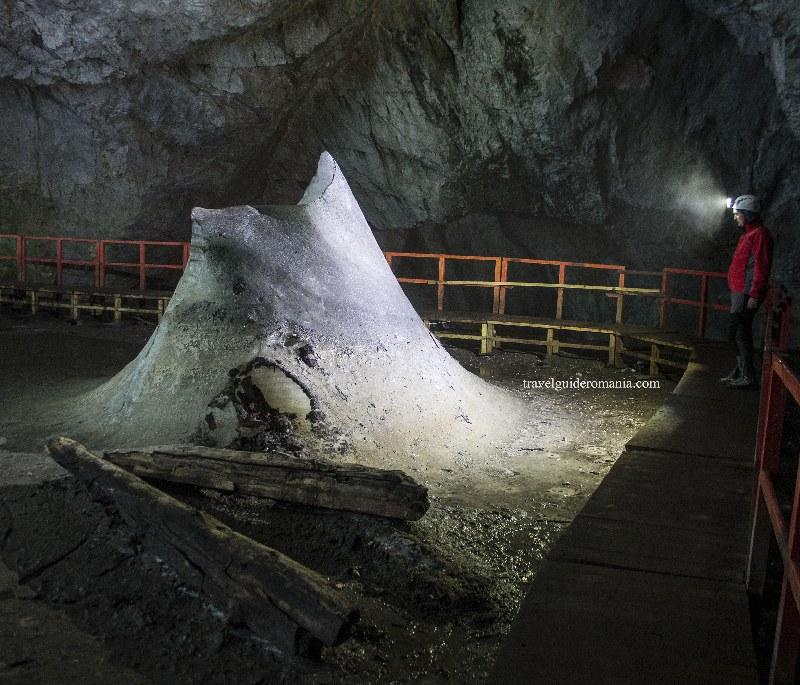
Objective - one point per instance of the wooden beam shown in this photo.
(655, 354)
(283, 601)
(348, 487)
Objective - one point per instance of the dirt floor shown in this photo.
(436, 596)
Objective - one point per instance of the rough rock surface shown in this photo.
(306, 291)
(579, 130)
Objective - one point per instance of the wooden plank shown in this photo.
(690, 425)
(276, 596)
(99, 292)
(709, 363)
(52, 304)
(649, 292)
(677, 490)
(655, 354)
(514, 320)
(646, 585)
(661, 361)
(586, 624)
(457, 336)
(670, 513)
(644, 333)
(544, 342)
(666, 338)
(695, 553)
(348, 487)
(49, 298)
(526, 341)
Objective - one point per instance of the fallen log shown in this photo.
(348, 487)
(283, 601)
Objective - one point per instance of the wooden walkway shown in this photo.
(94, 300)
(646, 585)
(490, 336)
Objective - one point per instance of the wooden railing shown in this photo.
(779, 382)
(702, 304)
(19, 250)
(501, 283)
(98, 261)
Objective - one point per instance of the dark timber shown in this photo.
(646, 585)
(283, 477)
(290, 605)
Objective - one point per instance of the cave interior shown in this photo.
(297, 158)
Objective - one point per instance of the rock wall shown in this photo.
(607, 132)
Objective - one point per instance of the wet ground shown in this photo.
(436, 596)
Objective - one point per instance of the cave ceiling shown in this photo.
(601, 131)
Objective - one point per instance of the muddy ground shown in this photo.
(436, 596)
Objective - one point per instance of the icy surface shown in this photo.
(305, 288)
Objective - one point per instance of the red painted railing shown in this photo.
(99, 261)
(778, 380)
(702, 304)
(500, 283)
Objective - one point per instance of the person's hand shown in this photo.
(752, 303)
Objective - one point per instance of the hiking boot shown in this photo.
(742, 383)
(734, 375)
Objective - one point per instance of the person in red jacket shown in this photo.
(748, 279)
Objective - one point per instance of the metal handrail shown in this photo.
(500, 283)
(99, 261)
(778, 383)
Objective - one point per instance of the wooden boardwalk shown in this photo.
(646, 585)
(490, 336)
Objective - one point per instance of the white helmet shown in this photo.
(747, 203)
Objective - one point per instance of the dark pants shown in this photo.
(740, 332)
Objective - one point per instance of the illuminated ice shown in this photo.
(306, 290)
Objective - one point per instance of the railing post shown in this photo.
(100, 264)
(503, 278)
(787, 629)
(142, 265)
(440, 286)
(766, 371)
(664, 295)
(760, 535)
(767, 459)
(655, 359)
(701, 325)
(486, 344)
(59, 266)
(784, 324)
(612, 349)
(21, 258)
(784, 649)
(496, 289)
(621, 283)
(552, 338)
(769, 433)
(562, 270)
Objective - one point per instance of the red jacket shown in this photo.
(755, 242)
